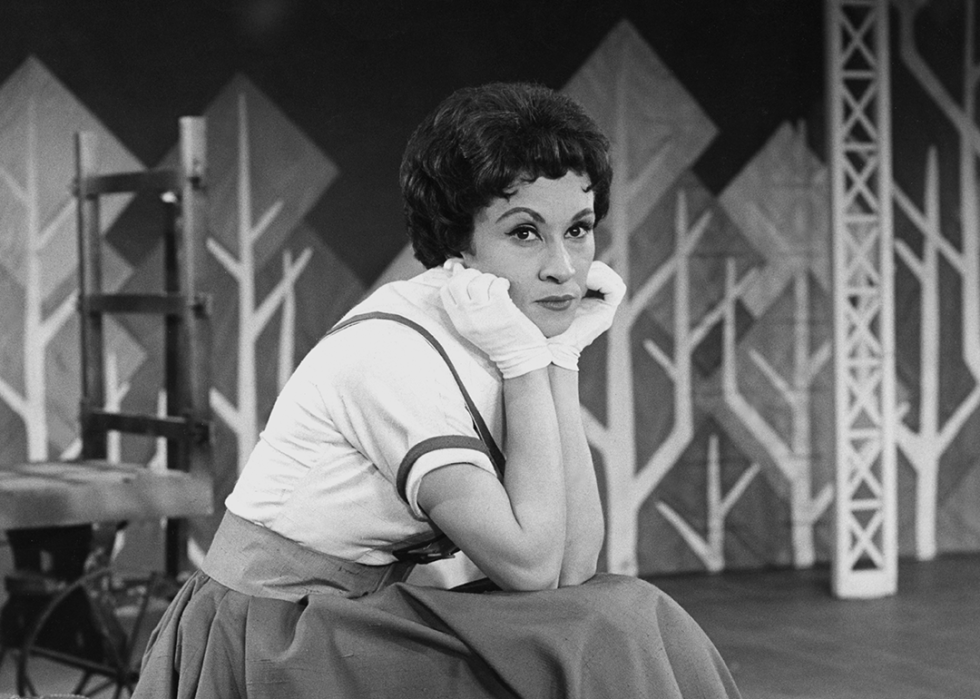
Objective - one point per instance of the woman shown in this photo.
(389, 447)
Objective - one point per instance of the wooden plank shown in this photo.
(116, 183)
(155, 304)
(57, 493)
(168, 427)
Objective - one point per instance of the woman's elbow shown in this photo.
(541, 572)
(528, 582)
(577, 572)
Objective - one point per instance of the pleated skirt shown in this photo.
(614, 636)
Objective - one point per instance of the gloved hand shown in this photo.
(593, 316)
(483, 313)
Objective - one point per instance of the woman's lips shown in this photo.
(556, 303)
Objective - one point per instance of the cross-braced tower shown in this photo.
(866, 555)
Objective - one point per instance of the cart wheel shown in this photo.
(89, 629)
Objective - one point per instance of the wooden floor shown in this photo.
(784, 635)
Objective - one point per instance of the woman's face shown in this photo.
(541, 240)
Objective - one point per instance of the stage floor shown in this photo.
(785, 637)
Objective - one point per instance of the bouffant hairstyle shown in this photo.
(479, 143)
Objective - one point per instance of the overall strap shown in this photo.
(440, 547)
(496, 455)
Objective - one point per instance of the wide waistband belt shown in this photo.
(254, 560)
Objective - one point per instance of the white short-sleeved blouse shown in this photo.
(372, 407)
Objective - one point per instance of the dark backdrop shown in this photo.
(357, 75)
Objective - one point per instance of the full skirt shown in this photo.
(614, 636)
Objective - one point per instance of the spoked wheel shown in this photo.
(89, 629)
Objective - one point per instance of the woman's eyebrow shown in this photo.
(521, 209)
(538, 217)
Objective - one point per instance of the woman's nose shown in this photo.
(557, 264)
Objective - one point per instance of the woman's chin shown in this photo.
(554, 325)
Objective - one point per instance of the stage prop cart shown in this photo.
(64, 601)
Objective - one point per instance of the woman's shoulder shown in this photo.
(416, 298)
(374, 347)
(400, 309)
(372, 338)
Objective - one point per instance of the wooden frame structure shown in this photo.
(61, 603)
(186, 375)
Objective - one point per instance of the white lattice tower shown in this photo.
(866, 555)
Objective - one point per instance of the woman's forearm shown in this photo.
(534, 479)
(513, 530)
(585, 528)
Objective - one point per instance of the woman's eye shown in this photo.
(524, 234)
(580, 230)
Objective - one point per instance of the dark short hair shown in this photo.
(477, 144)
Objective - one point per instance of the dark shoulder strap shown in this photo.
(439, 547)
(486, 437)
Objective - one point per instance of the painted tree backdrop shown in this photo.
(708, 405)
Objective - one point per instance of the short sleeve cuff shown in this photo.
(430, 454)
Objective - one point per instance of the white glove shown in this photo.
(593, 316)
(483, 313)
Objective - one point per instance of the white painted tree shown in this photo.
(629, 484)
(38, 247)
(778, 201)
(792, 456)
(925, 446)
(961, 112)
(710, 548)
(264, 213)
(657, 131)
(243, 417)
